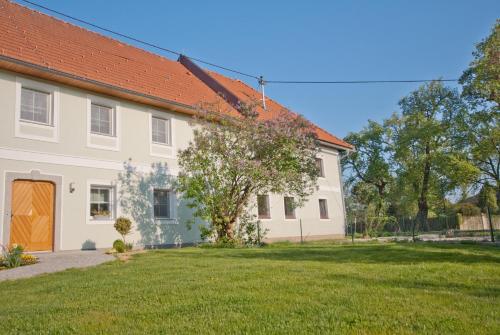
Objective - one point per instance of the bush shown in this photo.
(123, 226)
(129, 246)
(119, 246)
(12, 257)
(468, 209)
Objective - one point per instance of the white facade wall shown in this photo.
(68, 150)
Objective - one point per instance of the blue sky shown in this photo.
(311, 40)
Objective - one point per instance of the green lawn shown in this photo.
(280, 289)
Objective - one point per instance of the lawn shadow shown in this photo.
(377, 253)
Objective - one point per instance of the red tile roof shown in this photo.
(45, 41)
(246, 93)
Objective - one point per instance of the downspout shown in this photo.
(341, 154)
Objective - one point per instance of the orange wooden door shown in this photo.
(32, 224)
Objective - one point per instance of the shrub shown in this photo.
(468, 209)
(12, 256)
(129, 246)
(119, 246)
(123, 226)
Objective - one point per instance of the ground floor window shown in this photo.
(263, 209)
(323, 209)
(289, 208)
(162, 203)
(101, 202)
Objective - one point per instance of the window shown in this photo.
(102, 120)
(263, 207)
(289, 208)
(319, 164)
(101, 202)
(35, 106)
(161, 204)
(160, 130)
(323, 209)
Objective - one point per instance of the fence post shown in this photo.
(491, 224)
(301, 239)
(258, 232)
(354, 230)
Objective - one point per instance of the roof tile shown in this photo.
(43, 40)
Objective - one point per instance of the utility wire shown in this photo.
(137, 40)
(356, 81)
(260, 79)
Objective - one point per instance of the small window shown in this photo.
(35, 106)
(323, 209)
(102, 120)
(162, 204)
(289, 208)
(319, 164)
(101, 202)
(160, 130)
(263, 207)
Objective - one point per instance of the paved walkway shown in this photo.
(57, 261)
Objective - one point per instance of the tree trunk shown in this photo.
(423, 206)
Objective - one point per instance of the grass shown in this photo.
(280, 289)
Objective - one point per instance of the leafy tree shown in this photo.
(424, 140)
(231, 160)
(488, 199)
(481, 81)
(368, 163)
(481, 89)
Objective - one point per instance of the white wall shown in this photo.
(71, 156)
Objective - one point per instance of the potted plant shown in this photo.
(100, 214)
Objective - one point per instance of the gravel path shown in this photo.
(57, 261)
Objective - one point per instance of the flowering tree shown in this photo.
(231, 159)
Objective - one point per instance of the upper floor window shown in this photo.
(161, 204)
(263, 209)
(160, 130)
(102, 120)
(35, 106)
(319, 164)
(323, 209)
(289, 208)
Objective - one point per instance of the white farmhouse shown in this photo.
(75, 105)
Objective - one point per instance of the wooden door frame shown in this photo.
(34, 175)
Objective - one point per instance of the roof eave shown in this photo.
(27, 68)
(336, 146)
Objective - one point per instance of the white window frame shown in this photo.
(268, 198)
(53, 111)
(294, 210)
(322, 167)
(167, 130)
(114, 201)
(327, 210)
(173, 206)
(116, 123)
(112, 121)
(161, 146)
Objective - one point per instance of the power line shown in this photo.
(137, 40)
(357, 81)
(259, 78)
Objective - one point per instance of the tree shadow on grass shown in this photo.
(477, 290)
(375, 254)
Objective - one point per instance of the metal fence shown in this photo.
(441, 227)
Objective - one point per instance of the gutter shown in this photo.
(27, 68)
(337, 147)
(19, 66)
